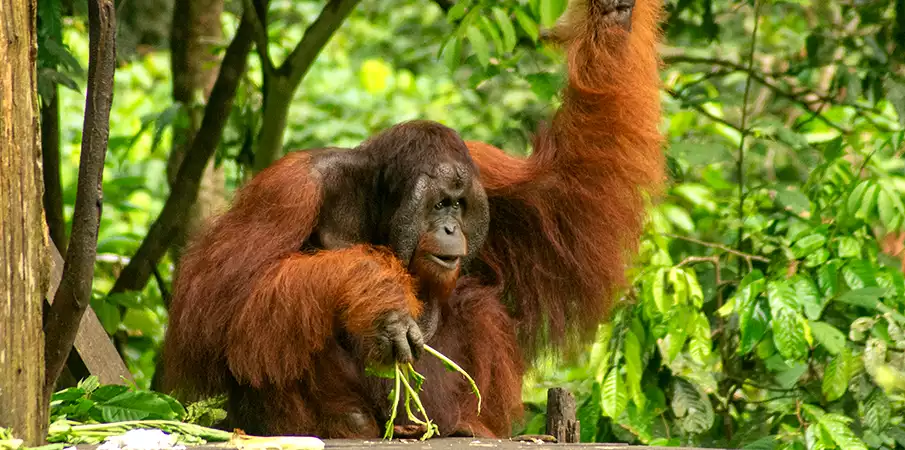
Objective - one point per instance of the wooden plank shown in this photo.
(464, 443)
(93, 347)
(562, 421)
(447, 444)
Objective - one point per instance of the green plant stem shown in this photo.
(388, 434)
(417, 399)
(457, 368)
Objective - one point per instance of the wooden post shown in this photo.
(23, 236)
(562, 421)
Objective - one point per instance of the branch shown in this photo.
(747, 256)
(53, 187)
(795, 97)
(701, 110)
(258, 16)
(73, 296)
(316, 36)
(280, 89)
(185, 189)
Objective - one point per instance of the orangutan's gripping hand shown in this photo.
(397, 338)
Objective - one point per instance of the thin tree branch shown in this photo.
(262, 42)
(701, 259)
(53, 187)
(719, 247)
(797, 96)
(185, 189)
(73, 296)
(316, 36)
(703, 111)
(280, 88)
(162, 285)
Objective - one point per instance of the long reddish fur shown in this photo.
(249, 305)
(245, 297)
(582, 191)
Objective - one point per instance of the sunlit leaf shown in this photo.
(859, 274)
(528, 25)
(633, 368)
(842, 435)
(836, 377)
(614, 395)
(864, 297)
(506, 28)
(808, 245)
(808, 296)
(828, 336)
(790, 329)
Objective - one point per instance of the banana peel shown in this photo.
(243, 441)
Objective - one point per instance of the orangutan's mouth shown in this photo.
(446, 261)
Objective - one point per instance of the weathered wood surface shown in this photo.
(23, 258)
(562, 412)
(461, 443)
(93, 347)
(448, 444)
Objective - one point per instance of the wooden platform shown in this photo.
(444, 444)
(466, 443)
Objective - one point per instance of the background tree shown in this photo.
(23, 254)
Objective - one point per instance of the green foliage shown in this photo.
(764, 311)
(764, 308)
(89, 412)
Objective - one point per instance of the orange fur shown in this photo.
(256, 316)
(581, 191)
(893, 244)
(246, 298)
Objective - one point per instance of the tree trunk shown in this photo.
(23, 240)
(195, 31)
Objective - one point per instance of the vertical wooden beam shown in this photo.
(562, 421)
(23, 238)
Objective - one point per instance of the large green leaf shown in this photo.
(506, 28)
(828, 278)
(790, 329)
(137, 405)
(808, 296)
(633, 369)
(528, 25)
(828, 336)
(836, 377)
(837, 427)
(808, 244)
(864, 297)
(479, 45)
(613, 395)
(859, 274)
